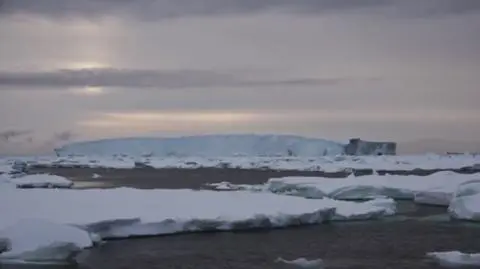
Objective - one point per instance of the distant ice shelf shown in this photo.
(208, 146)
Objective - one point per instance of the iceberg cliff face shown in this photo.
(207, 146)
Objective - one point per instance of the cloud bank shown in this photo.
(110, 77)
(162, 9)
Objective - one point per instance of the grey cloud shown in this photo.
(110, 77)
(161, 9)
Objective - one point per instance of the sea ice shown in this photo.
(434, 189)
(455, 259)
(39, 241)
(123, 212)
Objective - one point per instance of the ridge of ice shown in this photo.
(455, 258)
(207, 145)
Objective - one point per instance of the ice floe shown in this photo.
(302, 263)
(39, 241)
(123, 212)
(41, 181)
(435, 189)
(455, 259)
(465, 204)
(127, 212)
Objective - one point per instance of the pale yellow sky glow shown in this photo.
(84, 65)
(88, 91)
(178, 119)
(137, 119)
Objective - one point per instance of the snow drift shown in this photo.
(208, 145)
(123, 212)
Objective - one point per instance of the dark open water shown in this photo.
(400, 242)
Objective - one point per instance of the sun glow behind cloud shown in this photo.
(88, 91)
(85, 65)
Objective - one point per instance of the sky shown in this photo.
(390, 70)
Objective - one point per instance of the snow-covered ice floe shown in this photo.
(302, 263)
(465, 204)
(123, 212)
(455, 259)
(41, 181)
(435, 189)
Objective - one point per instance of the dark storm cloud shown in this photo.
(160, 9)
(109, 77)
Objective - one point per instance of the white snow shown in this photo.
(41, 181)
(465, 204)
(455, 259)
(39, 241)
(207, 145)
(96, 176)
(435, 189)
(302, 263)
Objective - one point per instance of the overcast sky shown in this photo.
(399, 70)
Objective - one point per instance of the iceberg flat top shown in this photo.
(207, 145)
